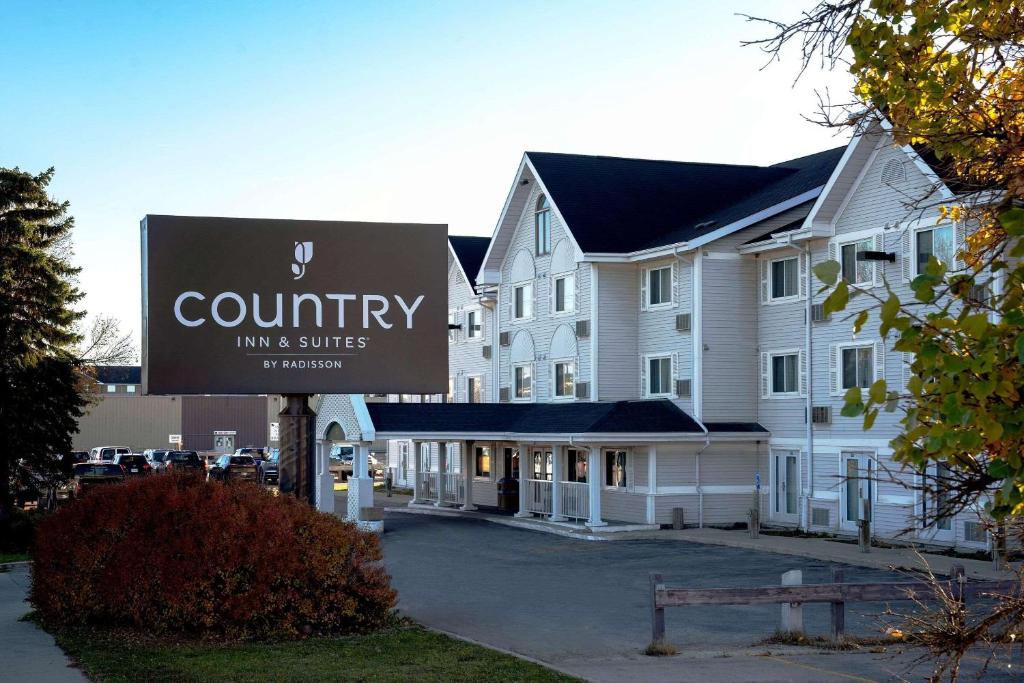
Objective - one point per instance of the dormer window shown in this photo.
(542, 224)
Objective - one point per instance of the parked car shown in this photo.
(108, 453)
(89, 475)
(157, 458)
(258, 453)
(234, 468)
(79, 456)
(340, 464)
(183, 461)
(134, 464)
(268, 469)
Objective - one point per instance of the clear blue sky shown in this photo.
(390, 111)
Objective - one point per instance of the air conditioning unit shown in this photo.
(583, 390)
(683, 388)
(974, 532)
(820, 517)
(683, 322)
(505, 394)
(487, 352)
(821, 415)
(504, 339)
(818, 313)
(582, 329)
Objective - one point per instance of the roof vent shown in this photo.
(893, 172)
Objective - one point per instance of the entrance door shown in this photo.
(786, 491)
(935, 497)
(542, 465)
(224, 443)
(858, 473)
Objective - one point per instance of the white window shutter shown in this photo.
(833, 369)
(675, 282)
(764, 375)
(511, 291)
(764, 280)
(879, 265)
(675, 372)
(802, 373)
(643, 289)
(803, 275)
(908, 372)
(643, 376)
(879, 359)
(907, 255)
(551, 295)
(960, 233)
(576, 290)
(833, 251)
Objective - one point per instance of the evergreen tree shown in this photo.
(41, 386)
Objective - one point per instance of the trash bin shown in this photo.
(508, 494)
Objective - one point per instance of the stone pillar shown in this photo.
(417, 467)
(468, 472)
(557, 475)
(594, 487)
(442, 467)
(524, 475)
(297, 465)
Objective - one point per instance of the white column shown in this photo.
(524, 468)
(594, 486)
(468, 471)
(652, 482)
(417, 466)
(442, 466)
(324, 481)
(557, 474)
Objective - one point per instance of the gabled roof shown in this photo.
(617, 205)
(659, 416)
(469, 251)
(119, 374)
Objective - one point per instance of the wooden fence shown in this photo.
(837, 593)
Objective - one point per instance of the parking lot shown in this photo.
(584, 606)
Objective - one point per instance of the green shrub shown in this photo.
(177, 554)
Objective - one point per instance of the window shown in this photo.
(474, 390)
(512, 462)
(111, 388)
(474, 328)
(938, 242)
(453, 331)
(659, 286)
(858, 367)
(542, 465)
(615, 469)
(577, 470)
(483, 461)
(659, 376)
(784, 273)
(450, 396)
(130, 388)
(785, 374)
(856, 272)
(542, 223)
(523, 381)
(564, 294)
(565, 373)
(523, 301)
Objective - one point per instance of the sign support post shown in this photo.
(298, 457)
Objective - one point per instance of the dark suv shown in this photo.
(268, 468)
(234, 468)
(134, 464)
(183, 461)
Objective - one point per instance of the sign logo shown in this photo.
(303, 255)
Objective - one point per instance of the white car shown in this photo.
(107, 453)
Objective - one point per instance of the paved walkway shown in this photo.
(28, 653)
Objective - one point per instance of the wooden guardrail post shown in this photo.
(838, 608)
(793, 612)
(657, 609)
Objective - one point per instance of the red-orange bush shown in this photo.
(176, 554)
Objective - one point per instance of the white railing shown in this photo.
(428, 485)
(575, 499)
(454, 487)
(538, 496)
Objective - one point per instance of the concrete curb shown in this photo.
(517, 524)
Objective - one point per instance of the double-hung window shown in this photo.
(564, 293)
(474, 390)
(483, 461)
(659, 375)
(658, 286)
(577, 470)
(523, 381)
(784, 278)
(857, 367)
(785, 374)
(111, 388)
(938, 242)
(564, 374)
(542, 224)
(522, 302)
(615, 469)
(474, 326)
(853, 271)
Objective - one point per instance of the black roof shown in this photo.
(747, 427)
(618, 205)
(470, 251)
(119, 374)
(653, 416)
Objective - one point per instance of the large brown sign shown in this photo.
(253, 306)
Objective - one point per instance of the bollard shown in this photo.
(793, 612)
(388, 482)
(864, 527)
(754, 522)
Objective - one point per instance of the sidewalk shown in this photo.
(30, 654)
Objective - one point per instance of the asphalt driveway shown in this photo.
(580, 604)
